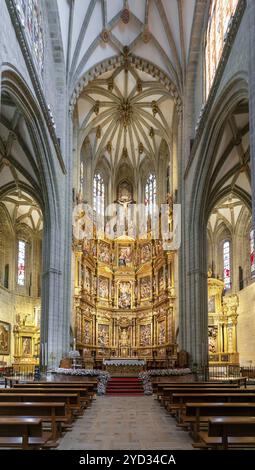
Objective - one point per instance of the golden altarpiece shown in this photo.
(222, 324)
(124, 303)
(27, 340)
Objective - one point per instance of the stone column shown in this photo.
(251, 14)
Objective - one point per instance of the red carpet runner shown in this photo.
(124, 386)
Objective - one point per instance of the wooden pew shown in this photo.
(53, 412)
(72, 400)
(180, 399)
(10, 381)
(196, 386)
(22, 432)
(197, 413)
(169, 391)
(158, 381)
(81, 392)
(225, 432)
(87, 390)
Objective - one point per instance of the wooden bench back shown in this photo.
(17, 426)
(231, 426)
(220, 409)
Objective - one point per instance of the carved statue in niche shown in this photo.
(212, 339)
(145, 253)
(124, 337)
(103, 287)
(103, 335)
(145, 287)
(104, 253)
(87, 332)
(26, 346)
(211, 304)
(124, 295)
(87, 280)
(145, 335)
(161, 332)
(161, 279)
(125, 192)
(125, 256)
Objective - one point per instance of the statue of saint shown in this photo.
(124, 337)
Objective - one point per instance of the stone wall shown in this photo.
(246, 326)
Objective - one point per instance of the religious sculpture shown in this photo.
(26, 346)
(124, 337)
(145, 253)
(103, 287)
(103, 335)
(161, 333)
(145, 288)
(145, 335)
(125, 256)
(87, 332)
(104, 254)
(124, 295)
(212, 339)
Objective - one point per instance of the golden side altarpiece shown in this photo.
(222, 324)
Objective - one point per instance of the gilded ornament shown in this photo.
(105, 35)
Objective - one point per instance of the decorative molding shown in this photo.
(33, 73)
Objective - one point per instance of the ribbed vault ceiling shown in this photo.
(155, 30)
(125, 113)
(23, 209)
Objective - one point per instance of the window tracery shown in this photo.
(226, 264)
(21, 262)
(98, 194)
(31, 18)
(220, 15)
(252, 253)
(150, 194)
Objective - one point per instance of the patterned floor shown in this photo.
(126, 423)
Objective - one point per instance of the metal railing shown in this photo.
(218, 372)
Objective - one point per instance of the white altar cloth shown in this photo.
(124, 362)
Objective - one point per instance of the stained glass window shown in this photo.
(226, 264)
(150, 194)
(21, 262)
(98, 194)
(31, 18)
(252, 253)
(220, 14)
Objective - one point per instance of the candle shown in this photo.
(74, 344)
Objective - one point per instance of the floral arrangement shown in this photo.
(103, 376)
(146, 375)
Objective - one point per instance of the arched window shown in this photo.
(150, 194)
(226, 265)
(31, 18)
(220, 14)
(21, 262)
(98, 195)
(252, 253)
